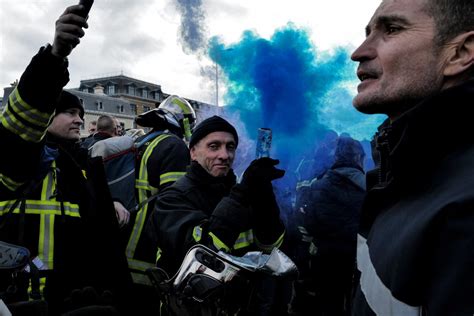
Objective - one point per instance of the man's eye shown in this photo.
(213, 147)
(392, 29)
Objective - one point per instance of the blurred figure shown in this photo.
(92, 127)
(327, 225)
(107, 126)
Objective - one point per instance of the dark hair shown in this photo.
(106, 123)
(452, 17)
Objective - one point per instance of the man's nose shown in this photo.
(224, 154)
(365, 51)
(78, 120)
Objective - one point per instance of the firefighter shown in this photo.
(53, 200)
(161, 161)
(207, 207)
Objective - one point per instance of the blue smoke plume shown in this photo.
(286, 84)
(192, 29)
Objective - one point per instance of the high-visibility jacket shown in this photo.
(183, 210)
(162, 163)
(58, 206)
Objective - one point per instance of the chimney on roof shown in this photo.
(98, 89)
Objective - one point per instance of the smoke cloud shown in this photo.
(192, 30)
(286, 84)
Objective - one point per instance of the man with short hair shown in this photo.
(416, 240)
(206, 206)
(106, 128)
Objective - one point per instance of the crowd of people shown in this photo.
(395, 240)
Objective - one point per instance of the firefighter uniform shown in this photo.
(53, 200)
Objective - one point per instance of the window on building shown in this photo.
(133, 108)
(85, 90)
(131, 90)
(111, 89)
(146, 108)
(81, 100)
(145, 93)
(100, 106)
(120, 108)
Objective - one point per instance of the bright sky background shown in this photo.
(141, 37)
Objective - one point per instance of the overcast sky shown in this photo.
(142, 38)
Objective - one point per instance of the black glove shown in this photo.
(261, 172)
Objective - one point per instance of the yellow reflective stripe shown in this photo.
(9, 183)
(46, 241)
(182, 106)
(244, 240)
(140, 278)
(269, 248)
(170, 177)
(158, 254)
(218, 243)
(142, 180)
(42, 207)
(27, 112)
(139, 265)
(49, 183)
(12, 124)
(137, 226)
(197, 233)
(142, 186)
(42, 284)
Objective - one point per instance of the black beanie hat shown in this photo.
(66, 101)
(212, 124)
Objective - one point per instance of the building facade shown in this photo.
(123, 97)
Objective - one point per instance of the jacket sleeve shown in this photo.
(26, 117)
(240, 212)
(172, 226)
(168, 162)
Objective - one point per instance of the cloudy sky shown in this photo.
(144, 38)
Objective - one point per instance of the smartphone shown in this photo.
(87, 7)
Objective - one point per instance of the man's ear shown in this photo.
(192, 151)
(461, 57)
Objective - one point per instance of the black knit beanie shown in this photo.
(66, 101)
(212, 124)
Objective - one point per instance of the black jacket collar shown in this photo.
(197, 173)
(415, 142)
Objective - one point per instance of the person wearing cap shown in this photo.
(206, 206)
(53, 199)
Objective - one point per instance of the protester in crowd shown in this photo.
(416, 243)
(163, 159)
(55, 201)
(328, 221)
(92, 127)
(107, 126)
(119, 130)
(206, 206)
